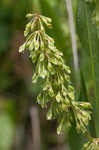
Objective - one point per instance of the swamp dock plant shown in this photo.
(57, 90)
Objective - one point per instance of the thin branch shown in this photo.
(73, 33)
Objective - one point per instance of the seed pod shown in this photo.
(60, 127)
(31, 46)
(41, 57)
(22, 48)
(34, 78)
(29, 15)
(46, 20)
(28, 29)
(58, 97)
(49, 114)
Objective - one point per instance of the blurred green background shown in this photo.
(23, 123)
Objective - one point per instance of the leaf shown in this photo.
(88, 37)
(74, 137)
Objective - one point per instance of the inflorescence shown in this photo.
(57, 90)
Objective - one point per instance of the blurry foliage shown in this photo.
(6, 131)
(5, 25)
(7, 123)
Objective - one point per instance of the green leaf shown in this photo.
(88, 37)
(76, 140)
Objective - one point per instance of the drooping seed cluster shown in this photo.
(92, 145)
(57, 90)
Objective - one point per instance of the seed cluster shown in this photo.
(57, 90)
(92, 145)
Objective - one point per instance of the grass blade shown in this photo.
(88, 36)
